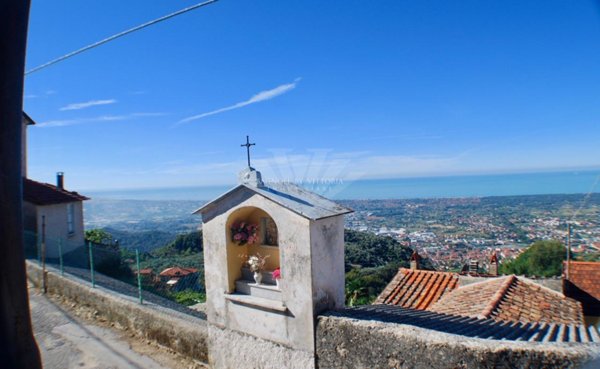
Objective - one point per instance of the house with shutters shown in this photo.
(54, 212)
(50, 210)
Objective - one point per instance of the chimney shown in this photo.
(414, 260)
(60, 180)
(473, 267)
(493, 270)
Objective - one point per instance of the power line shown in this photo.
(120, 34)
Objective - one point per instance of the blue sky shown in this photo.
(327, 89)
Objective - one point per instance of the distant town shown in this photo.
(450, 232)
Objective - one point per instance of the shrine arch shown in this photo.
(266, 243)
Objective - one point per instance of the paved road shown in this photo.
(66, 342)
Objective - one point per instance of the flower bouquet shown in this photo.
(276, 276)
(257, 264)
(244, 233)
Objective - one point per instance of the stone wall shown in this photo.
(340, 342)
(187, 336)
(231, 349)
(350, 343)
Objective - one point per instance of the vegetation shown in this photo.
(99, 236)
(541, 259)
(189, 297)
(371, 262)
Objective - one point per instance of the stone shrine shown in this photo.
(264, 324)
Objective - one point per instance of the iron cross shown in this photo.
(248, 144)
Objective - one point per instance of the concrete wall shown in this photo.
(327, 254)
(340, 342)
(187, 336)
(362, 344)
(57, 228)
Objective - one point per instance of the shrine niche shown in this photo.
(251, 232)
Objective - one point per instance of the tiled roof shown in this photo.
(472, 327)
(417, 289)
(583, 284)
(177, 272)
(510, 299)
(46, 194)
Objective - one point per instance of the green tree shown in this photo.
(542, 259)
(99, 236)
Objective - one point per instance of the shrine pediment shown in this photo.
(288, 195)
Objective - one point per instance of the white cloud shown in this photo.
(83, 105)
(259, 97)
(321, 165)
(103, 118)
(30, 96)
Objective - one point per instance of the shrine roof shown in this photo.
(291, 196)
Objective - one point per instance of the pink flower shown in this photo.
(276, 274)
(237, 237)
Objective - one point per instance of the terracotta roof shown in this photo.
(494, 258)
(46, 194)
(177, 272)
(417, 289)
(583, 285)
(510, 299)
(415, 256)
(146, 271)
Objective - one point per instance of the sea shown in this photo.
(539, 183)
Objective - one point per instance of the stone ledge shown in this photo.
(257, 301)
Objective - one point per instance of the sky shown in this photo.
(334, 90)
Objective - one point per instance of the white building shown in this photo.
(54, 211)
(254, 325)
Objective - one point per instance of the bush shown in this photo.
(541, 259)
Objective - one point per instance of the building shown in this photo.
(581, 281)
(54, 212)
(27, 121)
(417, 289)
(177, 278)
(256, 324)
(510, 298)
(506, 298)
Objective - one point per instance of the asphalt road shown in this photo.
(66, 342)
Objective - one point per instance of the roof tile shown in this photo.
(46, 194)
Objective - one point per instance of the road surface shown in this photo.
(67, 342)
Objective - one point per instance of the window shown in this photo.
(70, 218)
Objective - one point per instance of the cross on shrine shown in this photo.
(248, 144)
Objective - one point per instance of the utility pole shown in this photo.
(18, 348)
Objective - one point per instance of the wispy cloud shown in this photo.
(30, 96)
(87, 104)
(103, 118)
(259, 97)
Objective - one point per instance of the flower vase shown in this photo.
(258, 277)
(277, 283)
